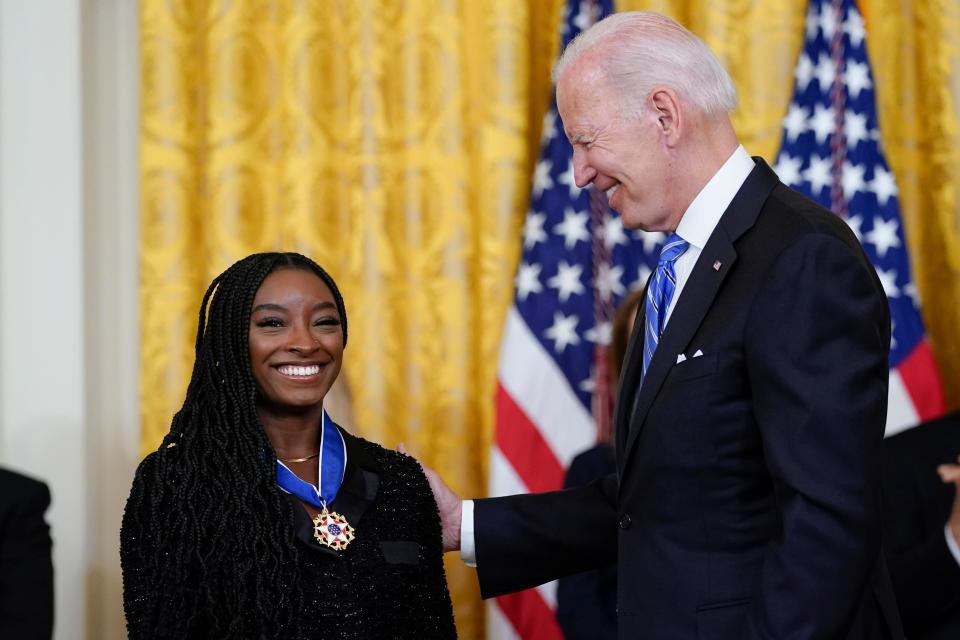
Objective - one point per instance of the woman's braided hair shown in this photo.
(224, 555)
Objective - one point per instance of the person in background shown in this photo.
(752, 405)
(26, 567)
(258, 516)
(587, 602)
(922, 526)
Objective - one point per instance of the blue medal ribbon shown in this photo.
(332, 465)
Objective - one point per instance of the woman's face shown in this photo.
(296, 341)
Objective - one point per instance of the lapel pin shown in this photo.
(716, 265)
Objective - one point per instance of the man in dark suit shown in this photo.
(922, 526)
(26, 570)
(752, 403)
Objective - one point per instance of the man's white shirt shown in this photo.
(951, 541)
(702, 216)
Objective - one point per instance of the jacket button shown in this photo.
(625, 521)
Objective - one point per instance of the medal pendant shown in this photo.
(332, 530)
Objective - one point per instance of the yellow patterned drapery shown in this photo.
(393, 142)
(390, 141)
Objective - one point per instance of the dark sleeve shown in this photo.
(817, 344)
(587, 602)
(917, 505)
(432, 594)
(26, 568)
(926, 580)
(136, 549)
(525, 540)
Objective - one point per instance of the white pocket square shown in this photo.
(680, 358)
(698, 353)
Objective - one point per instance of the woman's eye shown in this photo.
(327, 322)
(270, 322)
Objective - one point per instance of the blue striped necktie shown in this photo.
(659, 295)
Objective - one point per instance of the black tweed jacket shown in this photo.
(388, 583)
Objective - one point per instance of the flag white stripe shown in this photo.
(548, 592)
(498, 627)
(504, 480)
(535, 382)
(901, 412)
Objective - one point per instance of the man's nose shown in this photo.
(583, 173)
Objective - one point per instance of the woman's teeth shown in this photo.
(290, 370)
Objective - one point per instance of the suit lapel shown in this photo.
(690, 310)
(694, 302)
(630, 371)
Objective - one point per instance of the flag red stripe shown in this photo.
(530, 616)
(524, 447)
(919, 374)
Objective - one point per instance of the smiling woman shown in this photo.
(296, 343)
(258, 516)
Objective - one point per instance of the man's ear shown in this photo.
(668, 113)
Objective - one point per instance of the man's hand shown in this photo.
(448, 503)
(951, 473)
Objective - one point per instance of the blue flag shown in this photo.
(832, 152)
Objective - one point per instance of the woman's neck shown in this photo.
(292, 436)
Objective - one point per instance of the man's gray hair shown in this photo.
(644, 51)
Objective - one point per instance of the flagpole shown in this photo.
(838, 94)
(603, 310)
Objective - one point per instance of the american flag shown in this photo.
(578, 263)
(831, 152)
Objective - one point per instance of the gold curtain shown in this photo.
(393, 142)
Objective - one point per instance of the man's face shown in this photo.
(623, 155)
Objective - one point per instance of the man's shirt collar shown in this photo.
(703, 214)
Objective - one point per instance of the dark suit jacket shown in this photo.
(747, 499)
(925, 574)
(587, 602)
(26, 568)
